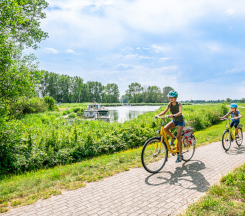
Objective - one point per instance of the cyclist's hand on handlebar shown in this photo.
(221, 118)
(156, 116)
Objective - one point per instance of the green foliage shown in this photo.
(51, 103)
(80, 113)
(44, 140)
(19, 28)
(201, 117)
(66, 112)
(76, 109)
(68, 89)
(25, 106)
(72, 115)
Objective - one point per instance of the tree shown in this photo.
(165, 92)
(19, 28)
(154, 94)
(228, 100)
(133, 90)
(242, 100)
(111, 93)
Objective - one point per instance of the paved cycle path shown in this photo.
(137, 192)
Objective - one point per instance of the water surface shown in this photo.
(124, 113)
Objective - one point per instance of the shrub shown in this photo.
(76, 109)
(72, 115)
(25, 106)
(79, 113)
(51, 103)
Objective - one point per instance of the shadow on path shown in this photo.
(187, 176)
(235, 150)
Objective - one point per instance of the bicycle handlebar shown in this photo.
(167, 116)
(228, 118)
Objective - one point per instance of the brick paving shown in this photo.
(137, 192)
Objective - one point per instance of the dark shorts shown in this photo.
(235, 123)
(180, 123)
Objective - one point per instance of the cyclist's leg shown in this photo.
(236, 129)
(169, 126)
(179, 131)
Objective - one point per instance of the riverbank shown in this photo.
(23, 189)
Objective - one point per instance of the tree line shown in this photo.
(136, 93)
(67, 89)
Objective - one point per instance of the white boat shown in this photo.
(97, 111)
(103, 115)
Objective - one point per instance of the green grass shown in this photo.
(227, 198)
(23, 189)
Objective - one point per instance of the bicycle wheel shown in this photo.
(154, 155)
(187, 149)
(226, 140)
(240, 139)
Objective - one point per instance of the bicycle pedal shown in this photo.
(174, 154)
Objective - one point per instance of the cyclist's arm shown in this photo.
(179, 113)
(162, 113)
(226, 115)
(239, 116)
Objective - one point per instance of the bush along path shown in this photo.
(137, 192)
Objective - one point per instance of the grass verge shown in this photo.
(27, 188)
(227, 198)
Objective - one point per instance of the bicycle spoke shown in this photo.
(152, 154)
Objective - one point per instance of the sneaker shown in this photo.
(237, 136)
(172, 141)
(179, 159)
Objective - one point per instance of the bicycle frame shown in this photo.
(230, 129)
(164, 138)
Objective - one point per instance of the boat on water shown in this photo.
(97, 111)
(103, 115)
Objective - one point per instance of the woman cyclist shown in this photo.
(234, 114)
(178, 120)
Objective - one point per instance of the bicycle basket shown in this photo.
(189, 137)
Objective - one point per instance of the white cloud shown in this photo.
(163, 59)
(50, 50)
(235, 70)
(138, 48)
(214, 47)
(159, 49)
(69, 51)
(146, 48)
(132, 56)
(96, 24)
(230, 12)
(127, 49)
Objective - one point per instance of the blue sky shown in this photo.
(196, 47)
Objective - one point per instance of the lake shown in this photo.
(124, 113)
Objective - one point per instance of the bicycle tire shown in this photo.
(188, 151)
(241, 139)
(226, 139)
(149, 149)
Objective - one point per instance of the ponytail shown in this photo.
(236, 112)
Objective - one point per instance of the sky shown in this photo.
(196, 47)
